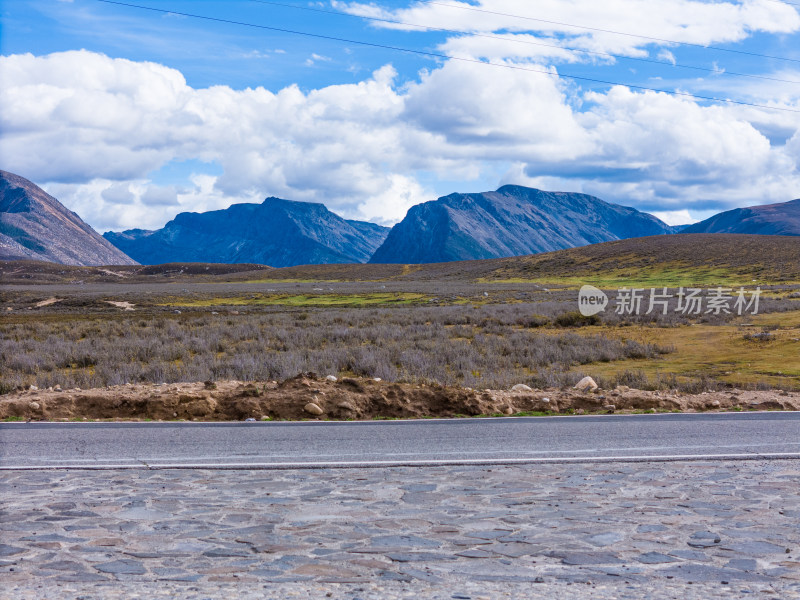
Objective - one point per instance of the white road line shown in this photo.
(397, 456)
(411, 463)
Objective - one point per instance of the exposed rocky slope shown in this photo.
(355, 399)
(36, 226)
(278, 233)
(512, 221)
(769, 219)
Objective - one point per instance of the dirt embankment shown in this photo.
(308, 397)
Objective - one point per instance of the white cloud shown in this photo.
(315, 58)
(94, 129)
(390, 205)
(675, 217)
(118, 193)
(667, 56)
(687, 21)
(160, 196)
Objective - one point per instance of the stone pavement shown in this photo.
(625, 530)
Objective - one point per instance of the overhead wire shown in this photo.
(624, 33)
(446, 57)
(529, 42)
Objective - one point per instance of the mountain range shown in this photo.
(769, 219)
(511, 221)
(36, 226)
(278, 233)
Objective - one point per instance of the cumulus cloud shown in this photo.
(95, 129)
(675, 217)
(685, 21)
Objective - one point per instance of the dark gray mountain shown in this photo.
(513, 221)
(278, 233)
(769, 219)
(36, 226)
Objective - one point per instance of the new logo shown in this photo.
(591, 300)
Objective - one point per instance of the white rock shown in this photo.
(546, 400)
(377, 379)
(521, 387)
(331, 378)
(33, 405)
(265, 418)
(313, 409)
(586, 384)
(33, 388)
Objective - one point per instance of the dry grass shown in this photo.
(763, 352)
(490, 346)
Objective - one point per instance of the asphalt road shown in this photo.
(425, 442)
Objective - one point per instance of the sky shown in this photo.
(132, 112)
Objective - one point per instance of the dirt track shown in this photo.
(354, 399)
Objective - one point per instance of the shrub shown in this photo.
(576, 319)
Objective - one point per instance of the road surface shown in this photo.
(400, 443)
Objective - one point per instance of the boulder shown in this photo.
(521, 387)
(331, 378)
(313, 409)
(587, 384)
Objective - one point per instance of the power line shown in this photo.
(444, 56)
(636, 35)
(531, 43)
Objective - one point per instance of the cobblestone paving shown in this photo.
(673, 530)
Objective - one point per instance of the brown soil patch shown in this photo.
(356, 399)
(48, 302)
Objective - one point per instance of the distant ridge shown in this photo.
(278, 233)
(36, 226)
(700, 259)
(782, 218)
(512, 221)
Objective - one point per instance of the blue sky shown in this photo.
(130, 116)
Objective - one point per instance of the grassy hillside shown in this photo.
(669, 260)
(675, 260)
